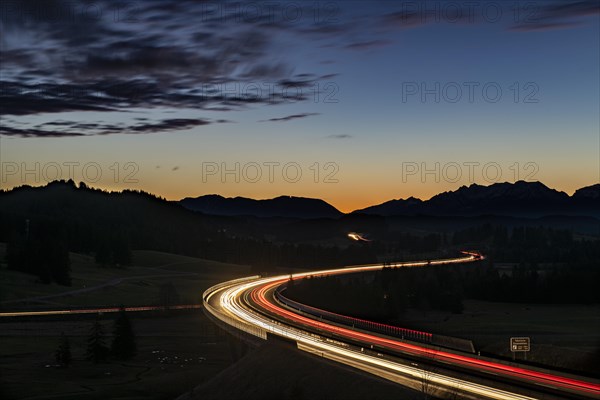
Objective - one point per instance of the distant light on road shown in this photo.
(358, 237)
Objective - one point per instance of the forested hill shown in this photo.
(41, 224)
(88, 217)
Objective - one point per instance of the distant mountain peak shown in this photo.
(588, 192)
(520, 198)
(282, 206)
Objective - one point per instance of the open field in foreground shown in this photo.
(277, 371)
(174, 354)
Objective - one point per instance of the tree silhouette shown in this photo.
(123, 345)
(97, 350)
(63, 353)
(42, 250)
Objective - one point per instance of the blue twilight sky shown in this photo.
(355, 102)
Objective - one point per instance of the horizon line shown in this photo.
(108, 190)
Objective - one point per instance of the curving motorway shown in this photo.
(254, 305)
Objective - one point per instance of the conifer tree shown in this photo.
(123, 345)
(97, 350)
(63, 353)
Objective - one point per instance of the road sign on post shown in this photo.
(520, 344)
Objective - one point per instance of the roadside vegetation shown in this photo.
(534, 282)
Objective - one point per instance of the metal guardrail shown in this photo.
(236, 323)
(390, 330)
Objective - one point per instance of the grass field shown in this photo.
(174, 354)
(286, 373)
(134, 285)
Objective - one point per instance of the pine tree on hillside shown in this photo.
(63, 353)
(97, 350)
(123, 345)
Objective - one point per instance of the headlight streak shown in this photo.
(238, 314)
(231, 301)
(104, 310)
(469, 362)
(357, 237)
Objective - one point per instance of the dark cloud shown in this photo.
(340, 136)
(75, 56)
(289, 117)
(328, 76)
(544, 26)
(147, 59)
(417, 14)
(404, 19)
(567, 8)
(60, 56)
(73, 129)
(25, 99)
(531, 16)
(30, 132)
(302, 81)
(167, 125)
(262, 70)
(561, 14)
(368, 45)
(22, 99)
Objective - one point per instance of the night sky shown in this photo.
(353, 94)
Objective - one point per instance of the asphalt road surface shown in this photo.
(249, 305)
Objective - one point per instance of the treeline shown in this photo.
(548, 265)
(96, 222)
(570, 283)
(42, 249)
(524, 244)
(42, 246)
(538, 265)
(384, 295)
